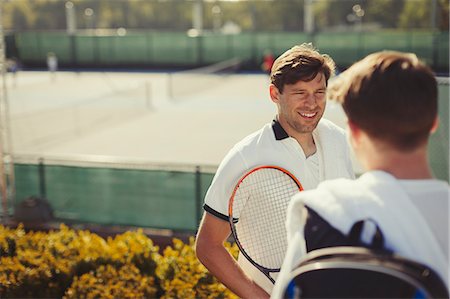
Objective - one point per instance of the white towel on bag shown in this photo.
(376, 195)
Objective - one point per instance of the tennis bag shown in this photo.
(360, 272)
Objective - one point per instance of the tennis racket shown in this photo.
(257, 215)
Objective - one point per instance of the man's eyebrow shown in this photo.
(298, 89)
(305, 89)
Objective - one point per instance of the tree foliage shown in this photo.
(249, 15)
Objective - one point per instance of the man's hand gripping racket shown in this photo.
(257, 215)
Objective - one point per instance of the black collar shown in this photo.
(280, 133)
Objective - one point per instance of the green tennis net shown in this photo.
(185, 84)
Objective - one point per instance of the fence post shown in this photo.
(73, 50)
(198, 193)
(200, 48)
(42, 186)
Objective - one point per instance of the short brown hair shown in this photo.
(392, 96)
(302, 62)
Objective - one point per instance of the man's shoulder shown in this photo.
(243, 153)
(254, 139)
(327, 126)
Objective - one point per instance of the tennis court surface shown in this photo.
(156, 117)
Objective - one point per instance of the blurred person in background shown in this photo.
(12, 66)
(268, 60)
(298, 139)
(52, 64)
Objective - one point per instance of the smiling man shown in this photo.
(298, 140)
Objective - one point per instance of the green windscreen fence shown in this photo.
(158, 198)
(439, 141)
(179, 49)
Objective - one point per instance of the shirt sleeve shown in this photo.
(228, 174)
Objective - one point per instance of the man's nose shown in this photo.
(311, 100)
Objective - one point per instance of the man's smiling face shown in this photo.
(301, 105)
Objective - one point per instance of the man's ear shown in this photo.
(274, 93)
(435, 125)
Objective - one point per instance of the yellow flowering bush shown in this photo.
(109, 282)
(135, 248)
(12, 274)
(31, 270)
(69, 263)
(8, 239)
(183, 276)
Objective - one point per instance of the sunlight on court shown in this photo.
(136, 115)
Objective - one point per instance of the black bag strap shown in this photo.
(354, 235)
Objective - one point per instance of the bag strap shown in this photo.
(356, 231)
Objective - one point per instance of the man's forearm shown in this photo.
(223, 266)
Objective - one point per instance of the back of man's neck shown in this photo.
(406, 166)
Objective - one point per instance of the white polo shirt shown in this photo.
(271, 145)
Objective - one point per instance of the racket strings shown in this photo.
(260, 204)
